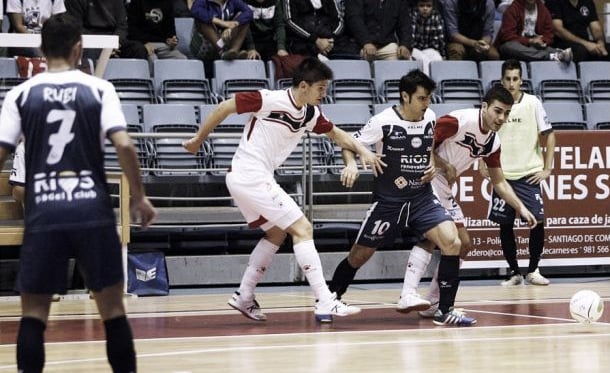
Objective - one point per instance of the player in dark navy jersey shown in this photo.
(64, 116)
(402, 196)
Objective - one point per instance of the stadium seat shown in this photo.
(565, 115)
(378, 108)
(352, 82)
(238, 76)
(595, 79)
(349, 117)
(387, 75)
(9, 77)
(131, 79)
(170, 157)
(132, 117)
(447, 107)
(184, 32)
(182, 82)
(232, 123)
(554, 81)
(457, 81)
(597, 115)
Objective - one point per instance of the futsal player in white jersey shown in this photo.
(462, 137)
(402, 195)
(64, 115)
(525, 165)
(280, 119)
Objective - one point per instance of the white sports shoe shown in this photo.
(535, 278)
(412, 302)
(515, 279)
(429, 313)
(250, 309)
(324, 312)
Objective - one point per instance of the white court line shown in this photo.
(330, 345)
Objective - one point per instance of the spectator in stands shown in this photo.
(182, 8)
(267, 30)
(106, 17)
(428, 35)
(224, 24)
(152, 23)
(27, 17)
(526, 33)
(280, 119)
(82, 226)
(381, 28)
(470, 29)
(528, 146)
(315, 28)
(577, 26)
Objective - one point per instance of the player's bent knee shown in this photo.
(359, 255)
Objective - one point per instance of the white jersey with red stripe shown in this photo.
(275, 129)
(460, 140)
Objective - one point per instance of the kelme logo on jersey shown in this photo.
(63, 186)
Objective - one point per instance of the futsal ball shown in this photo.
(586, 306)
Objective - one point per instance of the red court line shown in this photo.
(291, 322)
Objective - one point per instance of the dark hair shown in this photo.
(59, 34)
(511, 64)
(498, 93)
(415, 78)
(311, 70)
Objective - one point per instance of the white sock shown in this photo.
(308, 259)
(434, 292)
(416, 266)
(259, 261)
(220, 43)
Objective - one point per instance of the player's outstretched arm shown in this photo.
(367, 157)
(139, 205)
(507, 193)
(350, 172)
(222, 110)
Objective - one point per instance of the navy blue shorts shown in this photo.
(43, 262)
(530, 194)
(384, 221)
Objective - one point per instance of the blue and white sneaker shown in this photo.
(324, 312)
(453, 317)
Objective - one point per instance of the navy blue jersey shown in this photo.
(64, 118)
(407, 147)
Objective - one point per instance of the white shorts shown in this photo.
(262, 202)
(445, 197)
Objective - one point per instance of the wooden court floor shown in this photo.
(520, 329)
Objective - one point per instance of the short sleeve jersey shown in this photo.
(461, 139)
(35, 12)
(275, 129)
(64, 118)
(576, 19)
(521, 152)
(407, 147)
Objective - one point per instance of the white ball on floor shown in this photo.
(586, 306)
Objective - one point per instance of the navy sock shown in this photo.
(30, 345)
(119, 345)
(343, 277)
(536, 246)
(509, 247)
(448, 281)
